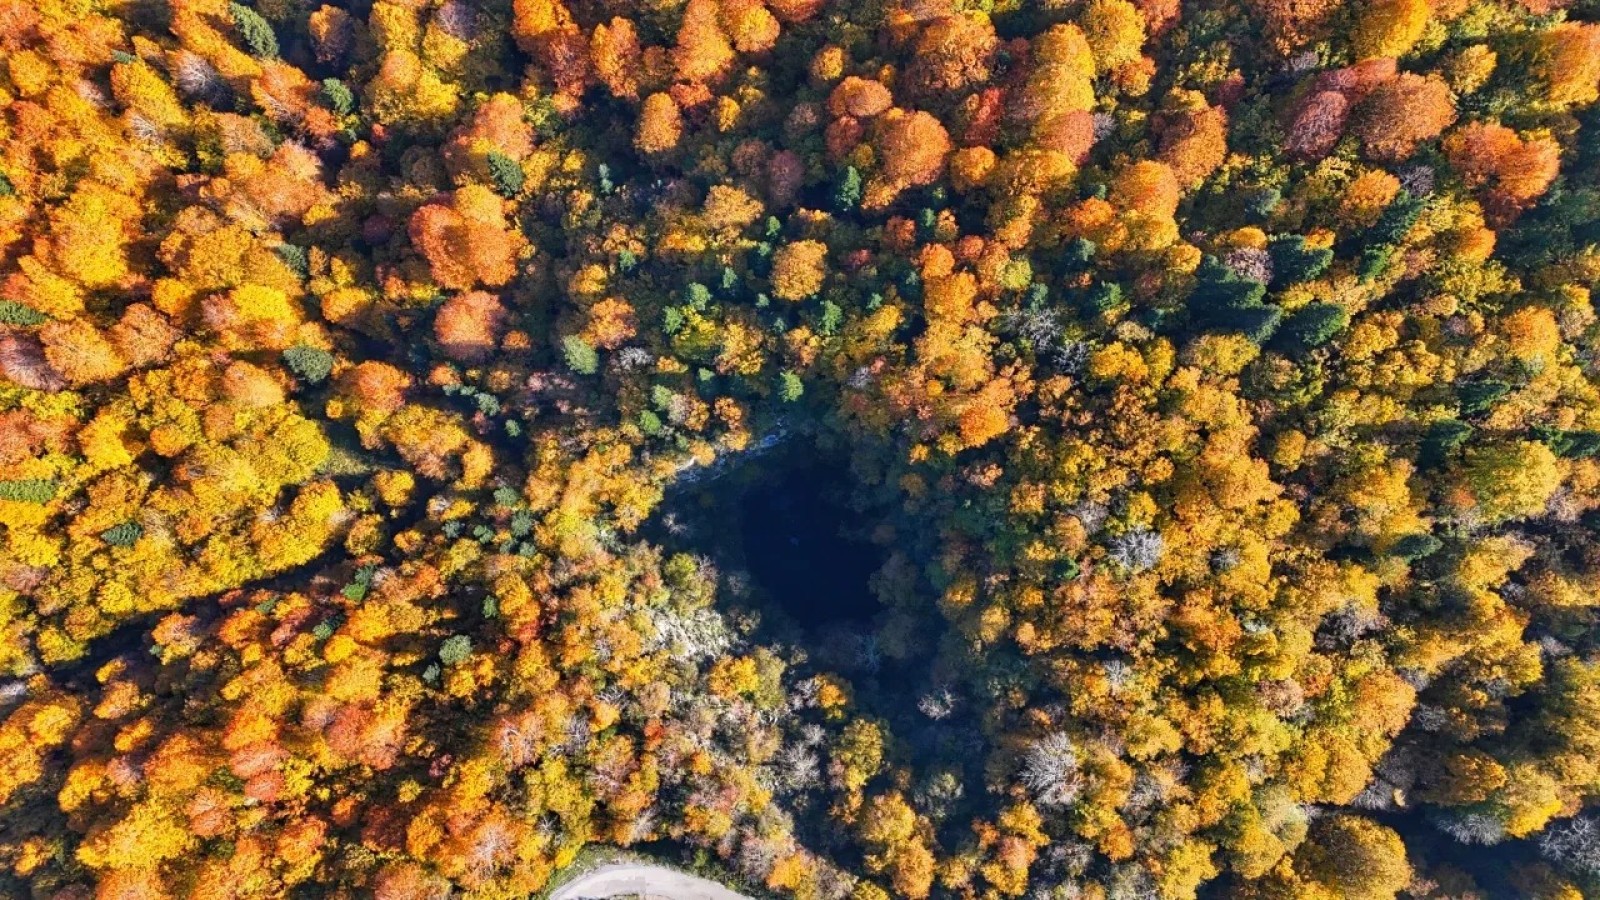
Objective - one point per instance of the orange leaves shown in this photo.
(859, 97)
(952, 54)
(914, 147)
(1366, 197)
(611, 324)
(1533, 335)
(376, 387)
(614, 50)
(703, 52)
(80, 353)
(466, 242)
(1508, 172)
(1147, 193)
(660, 124)
(334, 33)
(1291, 24)
(1567, 59)
(251, 386)
(1195, 143)
(468, 325)
(260, 193)
(981, 422)
(1402, 113)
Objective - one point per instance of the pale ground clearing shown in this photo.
(641, 880)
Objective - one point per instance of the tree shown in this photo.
(1115, 30)
(952, 54)
(1508, 172)
(506, 173)
(1400, 114)
(847, 191)
(660, 125)
(914, 146)
(580, 357)
(1050, 770)
(1311, 326)
(615, 50)
(312, 365)
(798, 269)
(255, 31)
(1566, 59)
(338, 96)
(1354, 857)
(703, 51)
(1511, 480)
(468, 325)
(465, 240)
(1195, 144)
(1389, 28)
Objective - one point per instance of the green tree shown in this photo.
(256, 31)
(507, 174)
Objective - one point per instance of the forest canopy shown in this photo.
(1214, 388)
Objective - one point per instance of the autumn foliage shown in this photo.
(1205, 400)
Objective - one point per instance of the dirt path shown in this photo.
(643, 880)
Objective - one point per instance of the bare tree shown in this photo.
(1050, 770)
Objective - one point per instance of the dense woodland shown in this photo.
(1219, 383)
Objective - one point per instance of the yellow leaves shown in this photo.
(892, 828)
(31, 73)
(731, 677)
(533, 20)
(1221, 355)
(138, 86)
(88, 234)
(405, 90)
(728, 207)
(971, 168)
(1115, 31)
(788, 872)
(798, 269)
(1389, 28)
(1512, 480)
(149, 833)
(1117, 362)
(1531, 797)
